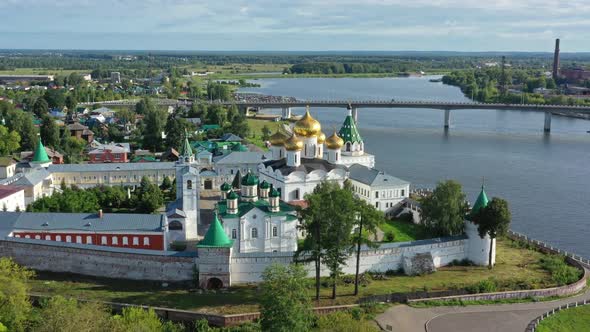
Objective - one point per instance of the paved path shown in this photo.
(480, 318)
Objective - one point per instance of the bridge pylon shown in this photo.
(447, 118)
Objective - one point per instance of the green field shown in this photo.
(569, 320)
(256, 125)
(515, 267)
(404, 231)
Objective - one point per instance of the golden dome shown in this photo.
(307, 126)
(321, 138)
(278, 138)
(294, 143)
(334, 142)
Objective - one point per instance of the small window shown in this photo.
(377, 204)
(125, 241)
(58, 238)
(254, 233)
(17, 236)
(376, 194)
(27, 236)
(37, 237)
(135, 241)
(234, 233)
(175, 225)
(146, 241)
(403, 192)
(68, 238)
(78, 239)
(115, 240)
(103, 240)
(189, 184)
(48, 237)
(89, 239)
(275, 231)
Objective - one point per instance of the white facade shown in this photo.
(259, 231)
(7, 171)
(382, 198)
(14, 201)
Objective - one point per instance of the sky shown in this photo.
(296, 25)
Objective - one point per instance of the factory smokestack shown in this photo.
(556, 60)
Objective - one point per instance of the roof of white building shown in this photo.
(242, 157)
(373, 177)
(6, 191)
(307, 165)
(33, 177)
(53, 168)
(91, 222)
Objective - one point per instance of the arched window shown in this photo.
(175, 225)
(48, 237)
(234, 233)
(275, 231)
(37, 237)
(135, 241)
(103, 240)
(348, 146)
(125, 241)
(88, 239)
(78, 239)
(254, 233)
(189, 184)
(115, 240)
(68, 238)
(27, 236)
(146, 241)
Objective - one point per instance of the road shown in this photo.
(480, 318)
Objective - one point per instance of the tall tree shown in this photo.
(41, 107)
(55, 98)
(71, 103)
(72, 148)
(14, 302)
(67, 315)
(175, 130)
(367, 220)
(285, 306)
(154, 124)
(9, 141)
(443, 212)
(49, 132)
(493, 220)
(144, 106)
(22, 123)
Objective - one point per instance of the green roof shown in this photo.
(481, 202)
(250, 179)
(264, 185)
(348, 132)
(40, 154)
(275, 193)
(187, 151)
(232, 195)
(239, 147)
(244, 207)
(210, 127)
(215, 236)
(144, 158)
(225, 186)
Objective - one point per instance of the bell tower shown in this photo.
(188, 186)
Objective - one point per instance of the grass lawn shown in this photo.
(404, 231)
(256, 126)
(515, 266)
(573, 319)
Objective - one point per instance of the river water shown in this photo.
(545, 178)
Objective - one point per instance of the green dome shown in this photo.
(275, 193)
(264, 185)
(232, 195)
(216, 236)
(40, 154)
(250, 179)
(481, 202)
(225, 186)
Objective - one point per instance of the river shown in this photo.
(545, 178)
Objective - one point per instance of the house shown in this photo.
(205, 128)
(108, 154)
(170, 155)
(137, 231)
(7, 167)
(12, 198)
(80, 131)
(54, 156)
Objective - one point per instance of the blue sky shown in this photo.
(453, 25)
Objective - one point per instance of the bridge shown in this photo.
(354, 105)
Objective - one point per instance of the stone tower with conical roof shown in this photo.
(214, 257)
(353, 142)
(40, 157)
(478, 248)
(188, 189)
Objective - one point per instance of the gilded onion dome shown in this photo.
(294, 143)
(334, 141)
(307, 126)
(321, 138)
(278, 138)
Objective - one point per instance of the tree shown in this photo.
(22, 123)
(284, 304)
(493, 220)
(14, 302)
(443, 212)
(175, 130)
(153, 126)
(71, 103)
(150, 196)
(265, 133)
(145, 105)
(72, 148)
(328, 221)
(75, 79)
(41, 107)
(137, 319)
(49, 132)
(9, 141)
(67, 315)
(367, 220)
(55, 98)
(166, 183)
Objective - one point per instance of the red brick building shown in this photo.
(108, 154)
(135, 231)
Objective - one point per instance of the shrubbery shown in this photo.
(561, 272)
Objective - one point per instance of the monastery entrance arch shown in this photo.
(214, 283)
